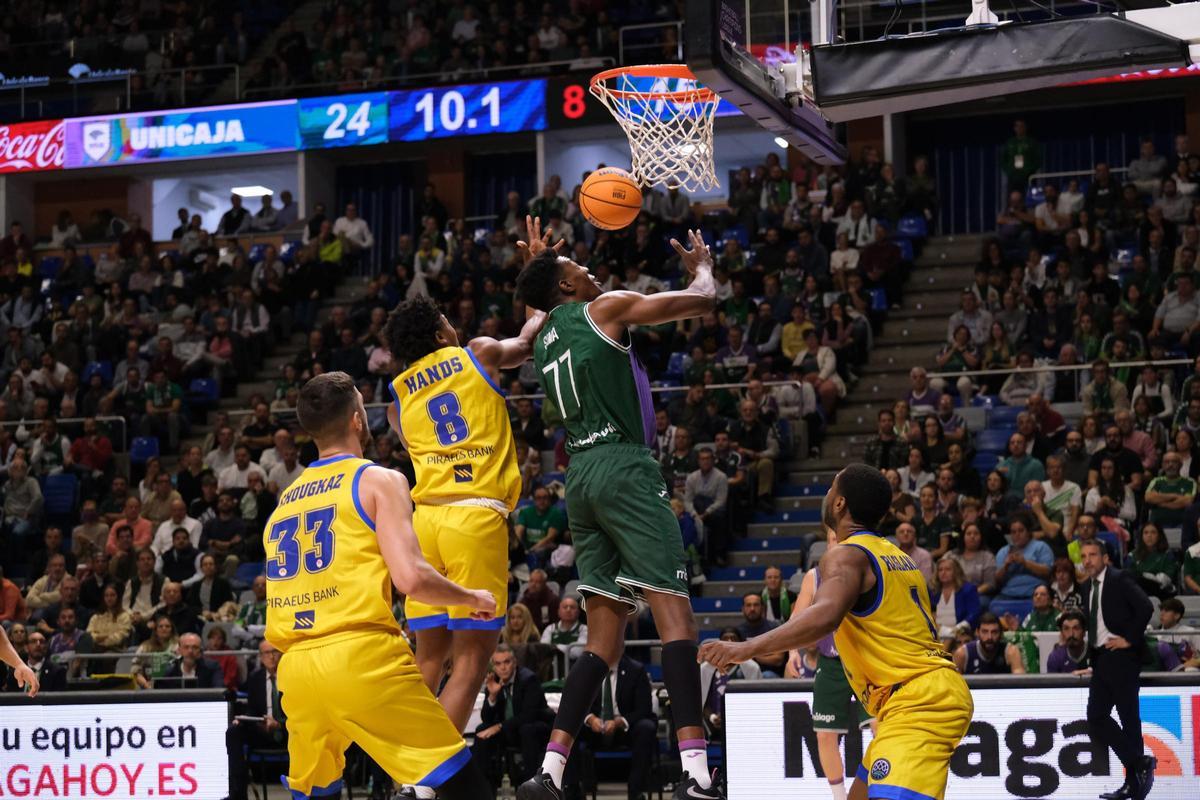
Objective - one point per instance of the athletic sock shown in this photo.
(681, 674)
(838, 788)
(693, 755)
(555, 761)
(579, 692)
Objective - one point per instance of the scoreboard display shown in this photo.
(467, 110)
(345, 120)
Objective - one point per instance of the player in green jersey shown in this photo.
(627, 539)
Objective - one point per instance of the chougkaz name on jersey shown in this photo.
(310, 488)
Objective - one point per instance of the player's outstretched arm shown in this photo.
(844, 573)
(384, 494)
(509, 353)
(803, 601)
(632, 308)
(27, 679)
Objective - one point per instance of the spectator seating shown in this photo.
(143, 448)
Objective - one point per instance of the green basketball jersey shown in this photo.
(598, 384)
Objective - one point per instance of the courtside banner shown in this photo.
(151, 746)
(1027, 740)
(187, 133)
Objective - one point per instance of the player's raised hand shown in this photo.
(536, 242)
(698, 255)
(483, 604)
(723, 655)
(27, 679)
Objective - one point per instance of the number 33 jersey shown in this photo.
(325, 574)
(455, 422)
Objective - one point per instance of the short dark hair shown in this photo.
(325, 403)
(1172, 604)
(1069, 615)
(537, 285)
(412, 328)
(987, 618)
(868, 494)
(732, 631)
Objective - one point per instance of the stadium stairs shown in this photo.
(911, 336)
(263, 382)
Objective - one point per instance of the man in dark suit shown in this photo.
(513, 715)
(1118, 611)
(262, 700)
(622, 718)
(194, 667)
(51, 676)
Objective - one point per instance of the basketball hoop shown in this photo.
(668, 118)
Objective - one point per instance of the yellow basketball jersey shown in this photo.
(456, 424)
(894, 639)
(325, 574)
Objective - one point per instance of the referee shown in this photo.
(1118, 612)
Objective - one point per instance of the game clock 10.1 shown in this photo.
(467, 110)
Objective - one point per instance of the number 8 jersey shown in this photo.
(456, 424)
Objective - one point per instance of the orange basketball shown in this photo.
(610, 198)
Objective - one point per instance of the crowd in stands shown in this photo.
(155, 554)
(364, 44)
(1093, 274)
(173, 50)
(169, 48)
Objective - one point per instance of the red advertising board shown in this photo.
(32, 146)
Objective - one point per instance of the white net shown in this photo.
(669, 123)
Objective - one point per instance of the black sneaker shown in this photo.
(541, 787)
(690, 790)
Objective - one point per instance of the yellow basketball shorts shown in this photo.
(363, 688)
(469, 545)
(919, 727)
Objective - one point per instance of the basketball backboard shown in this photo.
(746, 51)
(799, 67)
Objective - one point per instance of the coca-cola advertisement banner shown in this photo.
(32, 146)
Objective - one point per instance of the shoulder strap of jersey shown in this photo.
(483, 372)
(356, 495)
(868, 601)
(588, 316)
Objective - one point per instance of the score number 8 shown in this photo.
(574, 106)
